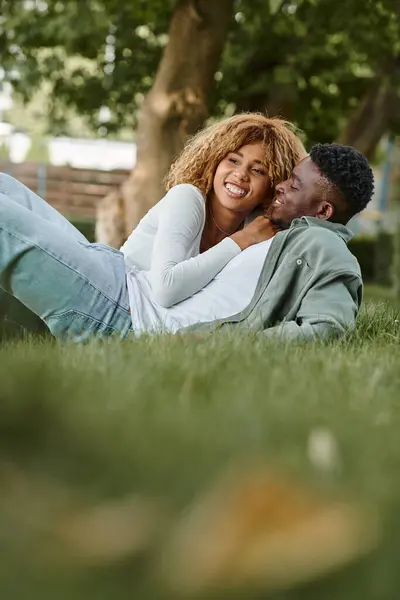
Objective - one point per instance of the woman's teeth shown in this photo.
(234, 189)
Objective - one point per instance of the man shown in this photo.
(310, 285)
(302, 284)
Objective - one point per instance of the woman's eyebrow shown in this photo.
(256, 160)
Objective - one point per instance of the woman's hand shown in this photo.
(257, 231)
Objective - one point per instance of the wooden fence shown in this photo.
(74, 192)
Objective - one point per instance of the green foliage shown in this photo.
(363, 247)
(384, 259)
(162, 417)
(87, 228)
(92, 53)
(311, 60)
(4, 154)
(375, 254)
(38, 152)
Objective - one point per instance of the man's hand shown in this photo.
(257, 231)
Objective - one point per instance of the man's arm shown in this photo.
(328, 309)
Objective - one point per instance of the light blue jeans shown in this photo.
(78, 289)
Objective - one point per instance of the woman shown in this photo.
(224, 174)
(79, 289)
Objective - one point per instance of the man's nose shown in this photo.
(280, 187)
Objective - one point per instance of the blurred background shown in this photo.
(98, 96)
(124, 465)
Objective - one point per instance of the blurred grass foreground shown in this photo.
(221, 467)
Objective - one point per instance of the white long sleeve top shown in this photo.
(166, 243)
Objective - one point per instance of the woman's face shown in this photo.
(241, 181)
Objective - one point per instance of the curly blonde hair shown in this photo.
(202, 154)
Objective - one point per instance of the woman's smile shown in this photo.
(235, 190)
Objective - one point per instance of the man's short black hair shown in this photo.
(348, 171)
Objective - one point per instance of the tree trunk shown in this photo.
(175, 108)
(370, 120)
(274, 104)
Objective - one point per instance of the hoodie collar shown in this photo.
(341, 230)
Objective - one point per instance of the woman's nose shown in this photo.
(242, 173)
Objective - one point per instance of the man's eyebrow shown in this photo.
(296, 177)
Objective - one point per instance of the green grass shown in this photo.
(164, 416)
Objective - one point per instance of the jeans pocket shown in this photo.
(78, 327)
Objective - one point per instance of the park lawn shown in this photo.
(165, 417)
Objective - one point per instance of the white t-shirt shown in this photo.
(227, 294)
(166, 243)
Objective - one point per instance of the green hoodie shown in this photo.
(310, 286)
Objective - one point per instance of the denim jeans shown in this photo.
(78, 289)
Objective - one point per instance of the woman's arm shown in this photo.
(173, 275)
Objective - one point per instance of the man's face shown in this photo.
(300, 195)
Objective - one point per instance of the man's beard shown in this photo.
(279, 223)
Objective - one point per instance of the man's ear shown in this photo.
(326, 210)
